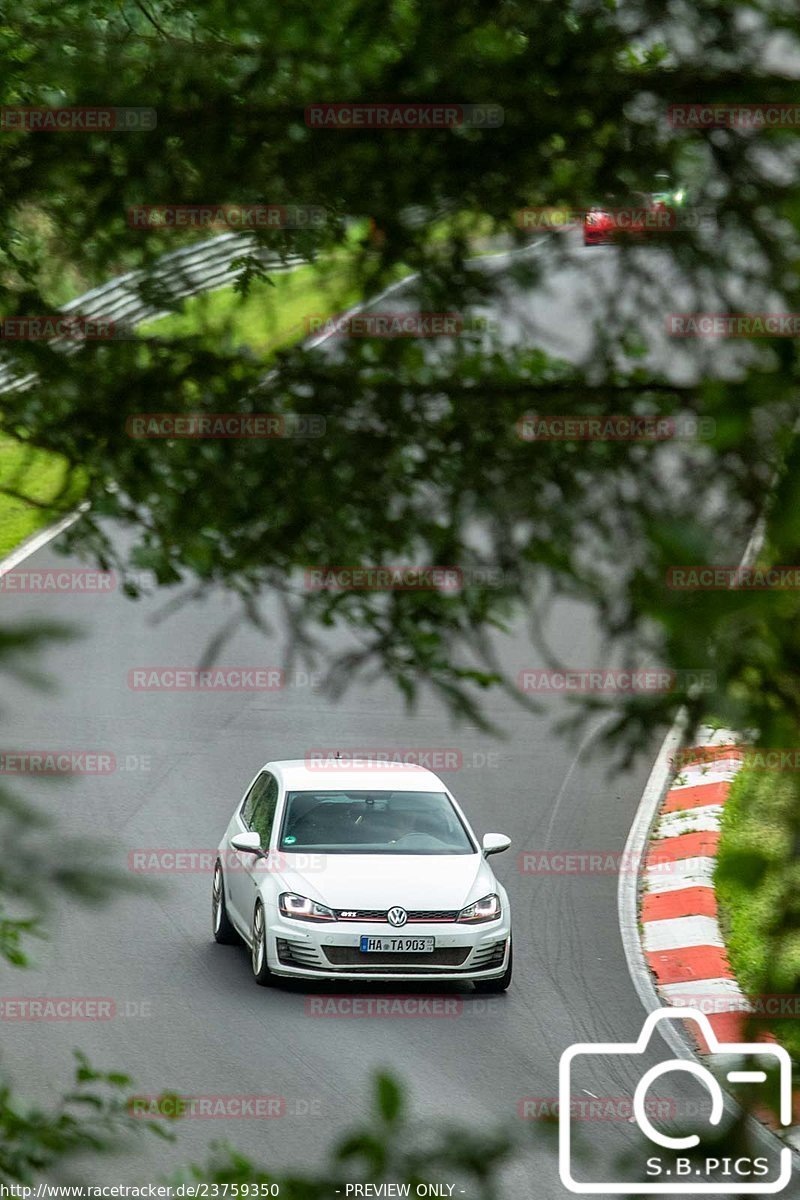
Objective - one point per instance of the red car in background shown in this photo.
(646, 213)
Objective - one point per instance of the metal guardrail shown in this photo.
(181, 273)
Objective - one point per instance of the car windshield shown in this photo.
(373, 822)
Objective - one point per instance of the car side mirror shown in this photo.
(247, 843)
(495, 843)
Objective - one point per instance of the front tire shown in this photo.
(258, 952)
(493, 986)
(223, 930)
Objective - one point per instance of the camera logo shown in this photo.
(673, 1171)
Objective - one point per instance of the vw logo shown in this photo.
(397, 916)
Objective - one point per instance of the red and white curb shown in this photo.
(681, 937)
(682, 940)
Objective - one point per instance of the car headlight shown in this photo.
(303, 909)
(487, 909)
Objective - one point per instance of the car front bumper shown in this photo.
(332, 951)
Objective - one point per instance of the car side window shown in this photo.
(264, 805)
(250, 799)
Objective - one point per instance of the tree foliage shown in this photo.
(585, 91)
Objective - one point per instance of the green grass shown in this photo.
(751, 876)
(269, 316)
(44, 478)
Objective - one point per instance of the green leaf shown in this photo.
(389, 1098)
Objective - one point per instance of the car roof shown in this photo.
(299, 774)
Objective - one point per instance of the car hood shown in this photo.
(449, 881)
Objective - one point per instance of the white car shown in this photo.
(366, 873)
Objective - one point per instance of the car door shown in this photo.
(238, 890)
(258, 814)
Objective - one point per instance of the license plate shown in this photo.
(397, 945)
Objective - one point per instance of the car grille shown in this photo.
(414, 915)
(351, 956)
